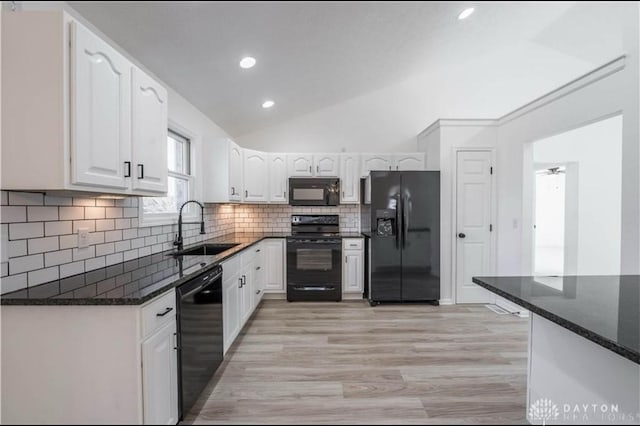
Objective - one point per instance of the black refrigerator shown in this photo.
(405, 236)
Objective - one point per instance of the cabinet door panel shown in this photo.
(246, 306)
(407, 162)
(274, 261)
(231, 309)
(149, 134)
(350, 178)
(326, 164)
(375, 162)
(160, 377)
(256, 186)
(278, 178)
(300, 165)
(235, 172)
(353, 272)
(100, 112)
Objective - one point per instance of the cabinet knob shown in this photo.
(257, 291)
(462, 235)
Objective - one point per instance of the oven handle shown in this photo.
(293, 241)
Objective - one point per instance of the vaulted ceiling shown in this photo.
(311, 55)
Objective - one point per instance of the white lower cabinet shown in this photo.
(160, 377)
(353, 270)
(275, 266)
(241, 290)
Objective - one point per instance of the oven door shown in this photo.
(314, 269)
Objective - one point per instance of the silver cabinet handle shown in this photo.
(141, 175)
(389, 167)
(240, 279)
(175, 341)
(165, 312)
(246, 193)
(309, 169)
(346, 259)
(233, 190)
(258, 251)
(397, 168)
(128, 166)
(317, 169)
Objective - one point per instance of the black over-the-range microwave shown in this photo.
(314, 191)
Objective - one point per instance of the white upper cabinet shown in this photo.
(278, 178)
(376, 162)
(96, 115)
(100, 112)
(149, 161)
(300, 165)
(350, 178)
(406, 162)
(326, 164)
(235, 172)
(256, 184)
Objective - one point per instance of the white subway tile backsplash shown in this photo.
(113, 212)
(41, 214)
(18, 231)
(41, 245)
(58, 228)
(105, 202)
(57, 257)
(94, 213)
(84, 253)
(88, 224)
(13, 214)
(96, 238)
(144, 251)
(137, 243)
(149, 241)
(124, 202)
(18, 265)
(105, 224)
(52, 200)
(71, 269)
(123, 245)
(86, 202)
(25, 198)
(13, 283)
(4, 269)
(115, 258)
(103, 249)
(95, 263)
(4, 198)
(43, 276)
(131, 254)
(123, 223)
(130, 212)
(110, 236)
(71, 213)
(17, 248)
(68, 241)
(128, 234)
(144, 232)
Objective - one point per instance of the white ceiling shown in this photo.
(310, 54)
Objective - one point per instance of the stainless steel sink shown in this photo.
(205, 249)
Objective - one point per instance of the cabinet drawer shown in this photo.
(231, 267)
(352, 244)
(158, 313)
(250, 253)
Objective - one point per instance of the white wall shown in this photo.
(453, 134)
(597, 150)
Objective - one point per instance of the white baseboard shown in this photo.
(446, 302)
(352, 296)
(275, 296)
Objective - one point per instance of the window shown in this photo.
(164, 209)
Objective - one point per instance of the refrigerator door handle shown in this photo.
(405, 221)
(398, 220)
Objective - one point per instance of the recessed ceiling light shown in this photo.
(466, 13)
(268, 104)
(247, 62)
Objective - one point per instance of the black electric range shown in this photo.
(314, 259)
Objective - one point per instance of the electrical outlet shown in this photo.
(83, 237)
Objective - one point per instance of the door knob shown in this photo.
(461, 235)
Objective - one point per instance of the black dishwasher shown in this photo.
(200, 341)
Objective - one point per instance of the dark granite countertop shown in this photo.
(136, 281)
(603, 309)
(133, 282)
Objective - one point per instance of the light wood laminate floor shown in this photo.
(348, 363)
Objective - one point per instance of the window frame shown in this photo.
(189, 214)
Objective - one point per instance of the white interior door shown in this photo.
(473, 221)
(100, 112)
